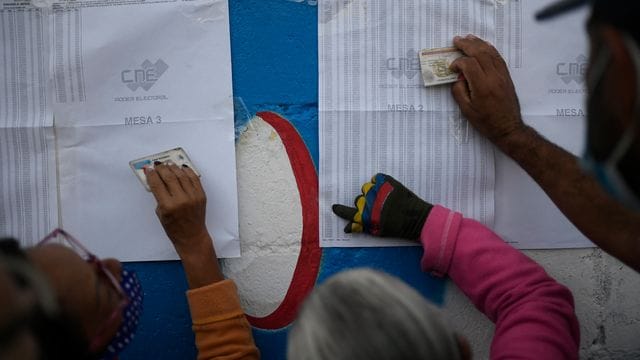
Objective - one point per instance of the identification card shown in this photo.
(175, 156)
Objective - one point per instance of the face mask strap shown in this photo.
(607, 171)
(630, 133)
(598, 68)
(623, 190)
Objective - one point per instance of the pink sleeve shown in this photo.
(534, 315)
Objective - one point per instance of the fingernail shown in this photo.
(185, 166)
(156, 163)
(470, 36)
(456, 38)
(147, 169)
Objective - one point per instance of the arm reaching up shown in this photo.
(487, 98)
(219, 324)
(534, 315)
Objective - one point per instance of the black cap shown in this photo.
(623, 14)
(559, 8)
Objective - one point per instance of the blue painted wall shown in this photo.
(275, 68)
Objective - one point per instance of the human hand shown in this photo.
(385, 208)
(181, 206)
(485, 92)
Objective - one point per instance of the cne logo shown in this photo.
(573, 71)
(145, 76)
(408, 66)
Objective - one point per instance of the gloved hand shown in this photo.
(385, 208)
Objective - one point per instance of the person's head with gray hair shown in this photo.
(366, 314)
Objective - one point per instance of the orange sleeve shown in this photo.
(221, 329)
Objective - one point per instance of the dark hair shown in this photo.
(58, 335)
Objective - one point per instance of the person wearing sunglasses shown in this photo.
(63, 302)
(219, 323)
(600, 192)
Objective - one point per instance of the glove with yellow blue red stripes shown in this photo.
(386, 208)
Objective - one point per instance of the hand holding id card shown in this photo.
(175, 156)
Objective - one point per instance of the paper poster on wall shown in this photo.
(130, 79)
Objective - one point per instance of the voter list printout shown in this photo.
(96, 84)
(28, 195)
(375, 115)
(548, 62)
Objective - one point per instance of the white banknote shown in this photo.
(434, 64)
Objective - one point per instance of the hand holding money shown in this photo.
(486, 94)
(435, 65)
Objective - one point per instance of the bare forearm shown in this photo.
(181, 210)
(487, 98)
(200, 263)
(600, 218)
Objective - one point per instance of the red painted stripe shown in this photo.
(376, 212)
(308, 265)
